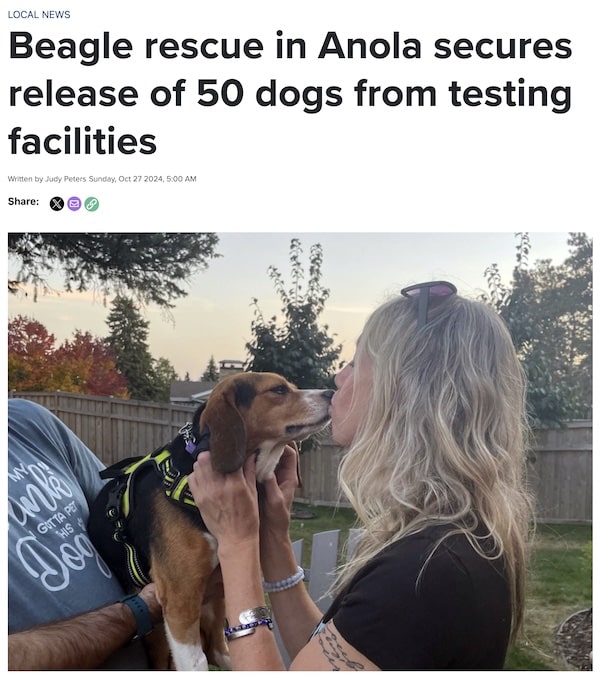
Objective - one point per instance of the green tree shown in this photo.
(164, 373)
(211, 373)
(298, 349)
(548, 310)
(128, 340)
(150, 267)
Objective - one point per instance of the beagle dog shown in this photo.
(146, 526)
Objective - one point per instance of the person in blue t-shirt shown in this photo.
(64, 609)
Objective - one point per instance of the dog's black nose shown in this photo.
(328, 393)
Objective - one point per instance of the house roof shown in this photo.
(184, 390)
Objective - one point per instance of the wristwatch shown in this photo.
(141, 613)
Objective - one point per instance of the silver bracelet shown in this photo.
(288, 583)
(249, 620)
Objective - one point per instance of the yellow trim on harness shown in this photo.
(130, 471)
(134, 567)
(177, 492)
(176, 486)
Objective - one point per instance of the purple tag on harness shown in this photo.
(190, 447)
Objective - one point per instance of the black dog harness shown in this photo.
(121, 495)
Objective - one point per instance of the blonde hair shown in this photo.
(443, 438)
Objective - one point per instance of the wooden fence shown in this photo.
(114, 428)
(325, 555)
(560, 468)
(560, 474)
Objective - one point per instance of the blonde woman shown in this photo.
(431, 414)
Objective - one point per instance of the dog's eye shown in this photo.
(280, 389)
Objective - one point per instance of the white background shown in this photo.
(344, 168)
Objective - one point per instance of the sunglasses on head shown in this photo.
(424, 292)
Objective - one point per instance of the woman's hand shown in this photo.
(276, 495)
(228, 502)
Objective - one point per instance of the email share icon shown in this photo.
(74, 203)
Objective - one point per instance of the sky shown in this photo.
(361, 270)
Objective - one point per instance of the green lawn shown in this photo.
(560, 585)
(324, 518)
(560, 581)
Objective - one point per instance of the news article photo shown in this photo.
(299, 335)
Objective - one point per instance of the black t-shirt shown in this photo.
(455, 614)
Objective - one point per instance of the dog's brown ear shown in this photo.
(227, 434)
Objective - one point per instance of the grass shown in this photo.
(322, 519)
(560, 581)
(560, 585)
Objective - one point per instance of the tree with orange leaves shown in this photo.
(84, 364)
(87, 365)
(30, 356)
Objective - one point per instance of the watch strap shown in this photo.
(141, 613)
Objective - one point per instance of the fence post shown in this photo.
(353, 538)
(323, 562)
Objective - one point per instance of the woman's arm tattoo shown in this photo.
(334, 652)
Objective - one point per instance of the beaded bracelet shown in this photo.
(288, 583)
(249, 620)
(232, 633)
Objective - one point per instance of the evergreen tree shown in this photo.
(211, 373)
(150, 267)
(128, 341)
(164, 374)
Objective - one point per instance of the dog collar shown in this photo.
(192, 445)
